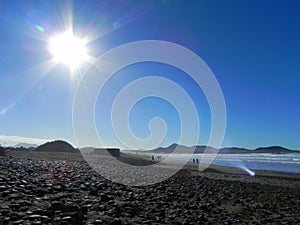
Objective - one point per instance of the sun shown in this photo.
(68, 49)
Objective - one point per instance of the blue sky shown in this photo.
(252, 48)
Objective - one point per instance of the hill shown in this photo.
(274, 149)
(56, 146)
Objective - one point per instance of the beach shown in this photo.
(67, 191)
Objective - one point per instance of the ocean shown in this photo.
(253, 161)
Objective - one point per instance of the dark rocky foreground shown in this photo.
(69, 192)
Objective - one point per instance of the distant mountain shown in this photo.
(25, 145)
(181, 149)
(56, 146)
(271, 149)
(274, 149)
(235, 150)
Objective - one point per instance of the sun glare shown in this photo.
(68, 49)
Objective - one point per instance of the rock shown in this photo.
(56, 205)
(23, 182)
(18, 222)
(3, 188)
(39, 211)
(47, 221)
(93, 192)
(70, 207)
(98, 222)
(35, 217)
(67, 218)
(21, 214)
(105, 197)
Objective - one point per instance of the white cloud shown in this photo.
(12, 140)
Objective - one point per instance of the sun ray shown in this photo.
(71, 48)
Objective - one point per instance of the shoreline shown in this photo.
(141, 160)
(51, 191)
(219, 168)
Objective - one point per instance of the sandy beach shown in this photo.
(67, 191)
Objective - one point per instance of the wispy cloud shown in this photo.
(11, 140)
(6, 109)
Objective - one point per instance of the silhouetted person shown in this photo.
(152, 157)
(197, 160)
(193, 161)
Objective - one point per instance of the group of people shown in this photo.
(195, 161)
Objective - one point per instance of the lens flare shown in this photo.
(40, 28)
(251, 173)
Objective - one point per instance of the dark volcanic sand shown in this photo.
(69, 192)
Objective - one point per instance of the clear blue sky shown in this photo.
(251, 46)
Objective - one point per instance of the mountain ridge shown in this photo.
(199, 149)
